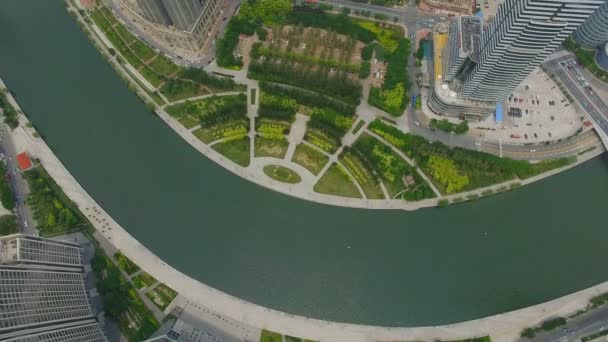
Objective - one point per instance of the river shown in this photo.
(393, 268)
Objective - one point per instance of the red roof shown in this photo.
(24, 161)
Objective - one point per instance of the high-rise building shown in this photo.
(184, 26)
(462, 50)
(43, 296)
(87, 330)
(594, 32)
(154, 11)
(521, 35)
(183, 13)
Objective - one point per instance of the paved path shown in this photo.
(296, 134)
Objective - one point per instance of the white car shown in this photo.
(25, 224)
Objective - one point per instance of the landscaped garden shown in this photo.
(121, 302)
(456, 169)
(53, 211)
(125, 263)
(282, 174)
(162, 295)
(142, 280)
(217, 117)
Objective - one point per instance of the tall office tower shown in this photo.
(43, 296)
(521, 35)
(594, 32)
(154, 11)
(462, 51)
(22, 249)
(183, 13)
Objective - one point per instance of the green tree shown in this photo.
(393, 98)
(270, 12)
(8, 225)
(444, 171)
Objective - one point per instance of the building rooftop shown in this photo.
(24, 161)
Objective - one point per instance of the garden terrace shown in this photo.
(481, 169)
(271, 140)
(219, 117)
(398, 176)
(310, 158)
(125, 263)
(142, 280)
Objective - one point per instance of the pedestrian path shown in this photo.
(296, 135)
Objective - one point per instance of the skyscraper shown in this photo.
(154, 11)
(183, 13)
(521, 35)
(43, 296)
(594, 32)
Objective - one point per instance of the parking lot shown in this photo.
(537, 111)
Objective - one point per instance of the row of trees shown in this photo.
(6, 197)
(308, 98)
(258, 50)
(482, 169)
(446, 126)
(330, 121)
(337, 85)
(339, 23)
(277, 106)
(393, 97)
(52, 209)
(252, 16)
(220, 109)
(9, 113)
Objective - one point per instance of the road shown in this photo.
(18, 185)
(568, 72)
(578, 327)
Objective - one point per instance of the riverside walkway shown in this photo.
(503, 327)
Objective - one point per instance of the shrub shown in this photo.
(365, 69)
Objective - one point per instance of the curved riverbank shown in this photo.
(506, 252)
(304, 190)
(502, 327)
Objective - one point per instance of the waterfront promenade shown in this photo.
(504, 327)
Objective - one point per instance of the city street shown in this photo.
(19, 186)
(581, 326)
(567, 70)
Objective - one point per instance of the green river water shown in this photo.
(376, 267)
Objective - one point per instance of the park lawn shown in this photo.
(142, 280)
(335, 181)
(163, 65)
(270, 336)
(152, 77)
(309, 158)
(125, 263)
(101, 21)
(143, 51)
(362, 175)
(125, 34)
(108, 14)
(387, 36)
(236, 150)
(282, 174)
(227, 129)
(275, 147)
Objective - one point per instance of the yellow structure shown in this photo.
(440, 40)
